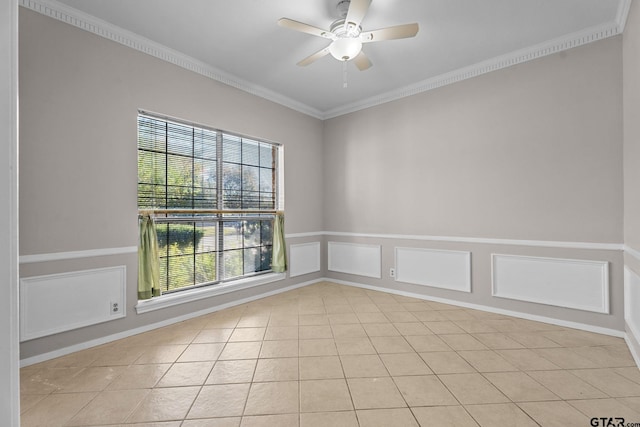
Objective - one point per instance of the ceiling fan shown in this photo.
(346, 34)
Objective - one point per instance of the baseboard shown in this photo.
(631, 337)
(120, 335)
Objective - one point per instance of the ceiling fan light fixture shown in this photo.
(346, 34)
(346, 48)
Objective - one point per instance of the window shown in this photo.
(214, 195)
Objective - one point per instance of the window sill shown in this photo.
(158, 303)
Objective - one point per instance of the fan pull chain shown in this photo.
(344, 74)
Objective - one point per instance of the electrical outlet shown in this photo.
(115, 307)
(392, 272)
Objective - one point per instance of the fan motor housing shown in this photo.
(340, 29)
(343, 8)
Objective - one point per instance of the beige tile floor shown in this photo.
(336, 356)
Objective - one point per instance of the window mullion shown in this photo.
(242, 205)
(219, 198)
(166, 165)
(193, 198)
(193, 169)
(166, 197)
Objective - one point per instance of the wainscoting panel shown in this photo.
(570, 283)
(304, 258)
(437, 268)
(60, 302)
(355, 258)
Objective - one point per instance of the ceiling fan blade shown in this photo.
(357, 10)
(305, 28)
(362, 62)
(309, 59)
(390, 33)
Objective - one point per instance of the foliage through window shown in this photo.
(191, 169)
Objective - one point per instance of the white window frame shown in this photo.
(219, 287)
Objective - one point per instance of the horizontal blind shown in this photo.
(188, 167)
(179, 167)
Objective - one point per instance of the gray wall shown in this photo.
(532, 152)
(79, 96)
(631, 98)
(529, 152)
(9, 358)
(632, 128)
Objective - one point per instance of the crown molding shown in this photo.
(119, 35)
(513, 58)
(84, 21)
(623, 12)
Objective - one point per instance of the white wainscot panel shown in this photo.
(354, 258)
(304, 258)
(570, 283)
(437, 268)
(61, 302)
(632, 302)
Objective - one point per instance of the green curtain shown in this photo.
(148, 260)
(279, 257)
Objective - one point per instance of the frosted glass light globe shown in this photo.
(344, 49)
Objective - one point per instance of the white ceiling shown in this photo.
(241, 41)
